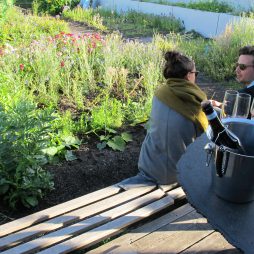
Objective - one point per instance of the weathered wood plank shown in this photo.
(177, 194)
(168, 187)
(71, 217)
(87, 224)
(125, 241)
(110, 229)
(175, 236)
(214, 243)
(57, 210)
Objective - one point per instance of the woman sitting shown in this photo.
(176, 120)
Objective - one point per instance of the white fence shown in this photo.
(209, 24)
(238, 4)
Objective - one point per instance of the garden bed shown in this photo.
(95, 84)
(95, 169)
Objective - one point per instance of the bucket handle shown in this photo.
(221, 161)
(209, 148)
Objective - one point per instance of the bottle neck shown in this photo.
(214, 119)
(212, 115)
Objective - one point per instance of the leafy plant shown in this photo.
(54, 6)
(61, 148)
(108, 115)
(117, 142)
(24, 133)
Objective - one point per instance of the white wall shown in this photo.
(209, 24)
(239, 4)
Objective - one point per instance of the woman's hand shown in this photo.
(216, 103)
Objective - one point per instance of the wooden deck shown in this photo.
(142, 220)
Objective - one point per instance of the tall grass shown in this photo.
(19, 29)
(215, 57)
(89, 16)
(4, 6)
(130, 24)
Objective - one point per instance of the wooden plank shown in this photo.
(169, 187)
(212, 244)
(177, 194)
(109, 229)
(57, 210)
(176, 236)
(71, 217)
(85, 225)
(125, 241)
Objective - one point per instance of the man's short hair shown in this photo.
(247, 50)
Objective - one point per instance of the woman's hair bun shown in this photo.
(172, 56)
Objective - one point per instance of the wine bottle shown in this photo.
(221, 135)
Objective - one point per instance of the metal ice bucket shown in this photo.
(233, 173)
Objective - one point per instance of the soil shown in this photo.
(96, 169)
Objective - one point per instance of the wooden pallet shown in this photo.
(182, 230)
(89, 220)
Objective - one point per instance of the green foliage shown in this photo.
(217, 57)
(26, 4)
(4, 6)
(130, 24)
(54, 6)
(133, 23)
(107, 115)
(19, 29)
(24, 133)
(117, 143)
(88, 16)
(61, 148)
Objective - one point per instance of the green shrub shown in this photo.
(24, 133)
(106, 116)
(54, 6)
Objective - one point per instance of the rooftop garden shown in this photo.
(58, 88)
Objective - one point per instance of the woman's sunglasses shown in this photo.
(243, 67)
(196, 73)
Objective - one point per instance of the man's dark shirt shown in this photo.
(249, 91)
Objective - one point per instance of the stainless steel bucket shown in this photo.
(233, 173)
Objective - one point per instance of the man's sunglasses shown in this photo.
(243, 67)
(196, 73)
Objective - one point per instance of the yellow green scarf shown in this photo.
(184, 97)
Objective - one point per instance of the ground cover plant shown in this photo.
(86, 85)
